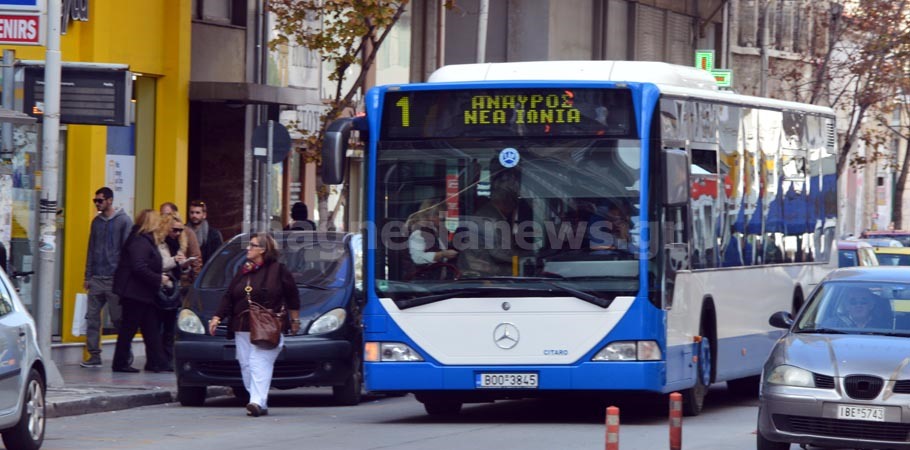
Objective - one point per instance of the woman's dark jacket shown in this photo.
(138, 274)
(271, 292)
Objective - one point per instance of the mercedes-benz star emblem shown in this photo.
(505, 335)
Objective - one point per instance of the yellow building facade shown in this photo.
(153, 39)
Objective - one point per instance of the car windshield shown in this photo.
(319, 263)
(858, 308)
(893, 259)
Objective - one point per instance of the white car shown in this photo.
(22, 375)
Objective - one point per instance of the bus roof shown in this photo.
(672, 79)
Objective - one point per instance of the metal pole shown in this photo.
(765, 36)
(47, 247)
(9, 84)
(267, 198)
(482, 20)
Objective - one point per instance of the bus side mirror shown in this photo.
(676, 177)
(334, 150)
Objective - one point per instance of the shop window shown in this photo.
(224, 12)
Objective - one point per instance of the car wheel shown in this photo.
(348, 394)
(241, 394)
(28, 433)
(764, 444)
(694, 397)
(745, 387)
(191, 395)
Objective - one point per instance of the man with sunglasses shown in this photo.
(109, 230)
(863, 309)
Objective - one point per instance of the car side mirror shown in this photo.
(781, 319)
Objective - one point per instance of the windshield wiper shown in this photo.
(433, 298)
(590, 298)
(821, 331)
(311, 286)
(548, 280)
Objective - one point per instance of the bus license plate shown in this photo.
(506, 380)
(851, 412)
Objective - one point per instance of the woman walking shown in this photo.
(137, 280)
(272, 286)
(173, 261)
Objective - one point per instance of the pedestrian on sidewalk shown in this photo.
(174, 263)
(138, 279)
(109, 231)
(209, 237)
(192, 241)
(273, 286)
(300, 218)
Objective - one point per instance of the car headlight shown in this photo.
(791, 376)
(389, 352)
(189, 322)
(630, 351)
(328, 322)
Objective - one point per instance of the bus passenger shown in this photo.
(486, 241)
(609, 229)
(428, 243)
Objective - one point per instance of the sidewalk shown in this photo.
(93, 390)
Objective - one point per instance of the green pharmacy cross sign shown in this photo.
(704, 60)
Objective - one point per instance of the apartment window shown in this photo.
(224, 12)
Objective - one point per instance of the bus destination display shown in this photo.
(507, 112)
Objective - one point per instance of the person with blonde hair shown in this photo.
(172, 247)
(428, 244)
(137, 280)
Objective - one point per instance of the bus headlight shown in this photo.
(630, 351)
(389, 352)
(189, 322)
(328, 322)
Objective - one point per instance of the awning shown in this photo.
(221, 91)
(15, 117)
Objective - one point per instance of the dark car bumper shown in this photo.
(304, 361)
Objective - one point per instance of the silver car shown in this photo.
(22, 376)
(840, 376)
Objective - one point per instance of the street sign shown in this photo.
(87, 96)
(281, 141)
(723, 77)
(704, 59)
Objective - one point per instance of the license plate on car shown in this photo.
(506, 380)
(854, 412)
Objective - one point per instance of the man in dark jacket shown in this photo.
(209, 237)
(299, 215)
(109, 231)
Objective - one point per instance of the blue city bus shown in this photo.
(601, 226)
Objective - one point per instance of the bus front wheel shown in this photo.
(440, 405)
(694, 397)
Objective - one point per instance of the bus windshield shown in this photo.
(517, 215)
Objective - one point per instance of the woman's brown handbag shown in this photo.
(265, 324)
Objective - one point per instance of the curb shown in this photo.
(77, 402)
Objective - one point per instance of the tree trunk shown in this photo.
(898, 205)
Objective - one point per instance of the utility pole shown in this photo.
(47, 246)
(765, 37)
(482, 20)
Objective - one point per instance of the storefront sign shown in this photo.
(87, 96)
(21, 29)
(23, 5)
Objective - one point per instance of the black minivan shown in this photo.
(326, 351)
